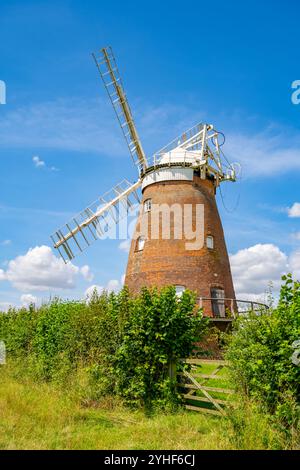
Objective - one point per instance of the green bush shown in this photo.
(260, 354)
(17, 329)
(125, 344)
(160, 330)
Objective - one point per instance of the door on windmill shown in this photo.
(218, 303)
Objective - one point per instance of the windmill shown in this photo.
(186, 171)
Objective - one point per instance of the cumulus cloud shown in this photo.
(4, 306)
(28, 299)
(294, 264)
(38, 162)
(113, 285)
(254, 268)
(40, 270)
(86, 273)
(294, 210)
(90, 290)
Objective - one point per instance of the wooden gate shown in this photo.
(205, 392)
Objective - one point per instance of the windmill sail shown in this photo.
(109, 73)
(96, 220)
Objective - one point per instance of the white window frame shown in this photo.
(210, 242)
(179, 290)
(140, 243)
(147, 205)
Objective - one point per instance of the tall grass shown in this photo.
(44, 415)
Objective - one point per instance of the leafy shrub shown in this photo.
(17, 329)
(160, 330)
(260, 351)
(125, 344)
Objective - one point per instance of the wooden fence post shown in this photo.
(172, 370)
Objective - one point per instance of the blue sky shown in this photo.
(227, 63)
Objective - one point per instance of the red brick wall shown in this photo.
(164, 262)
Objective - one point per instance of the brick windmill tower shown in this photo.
(178, 239)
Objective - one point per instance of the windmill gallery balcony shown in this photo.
(225, 310)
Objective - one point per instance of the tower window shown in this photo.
(210, 242)
(140, 243)
(147, 205)
(179, 290)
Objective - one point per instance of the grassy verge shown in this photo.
(43, 416)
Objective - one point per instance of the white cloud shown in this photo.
(113, 285)
(294, 264)
(254, 268)
(90, 290)
(86, 272)
(5, 242)
(294, 210)
(125, 245)
(40, 270)
(4, 306)
(28, 299)
(38, 162)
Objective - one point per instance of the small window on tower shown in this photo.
(147, 205)
(210, 242)
(179, 290)
(140, 243)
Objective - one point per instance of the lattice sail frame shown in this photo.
(111, 78)
(96, 220)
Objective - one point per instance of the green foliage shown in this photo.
(160, 330)
(125, 344)
(17, 328)
(260, 353)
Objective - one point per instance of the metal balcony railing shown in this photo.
(229, 308)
